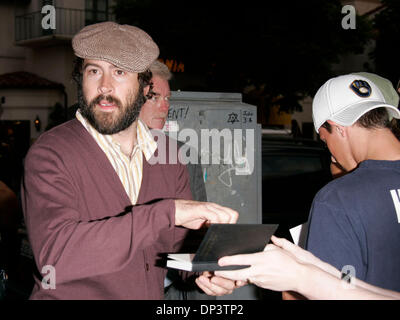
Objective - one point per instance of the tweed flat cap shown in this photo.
(125, 46)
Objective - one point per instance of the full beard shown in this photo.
(116, 121)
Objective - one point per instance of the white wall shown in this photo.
(54, 61)
(55, 64)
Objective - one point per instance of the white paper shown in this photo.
(299, 234)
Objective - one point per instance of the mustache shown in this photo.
(108, 98)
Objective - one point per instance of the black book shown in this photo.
(223, 240)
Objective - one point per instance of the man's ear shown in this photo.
(341, 130)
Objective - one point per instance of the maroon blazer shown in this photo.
(80, 219)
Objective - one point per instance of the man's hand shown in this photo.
(193, 214)
(280, 267)
(217, 286)
(272, 269)
(304, 256)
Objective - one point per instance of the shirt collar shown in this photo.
(145, 140)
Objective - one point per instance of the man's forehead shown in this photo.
(160, 85)
(102, 63)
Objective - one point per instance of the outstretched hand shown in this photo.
(304, 256)
(194, 214)
(272, 269)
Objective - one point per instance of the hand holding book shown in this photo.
(217, 286)
(223, 240)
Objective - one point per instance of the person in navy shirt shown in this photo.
(354, 223)
(354, 232)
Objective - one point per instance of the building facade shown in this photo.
(36, 56)
(27, 46)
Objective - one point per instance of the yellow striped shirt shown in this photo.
(129, 169)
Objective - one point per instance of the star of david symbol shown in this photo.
(233, 117)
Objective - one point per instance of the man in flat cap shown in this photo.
(97, 212)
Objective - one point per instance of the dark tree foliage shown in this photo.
(288, 47)
(387, 50)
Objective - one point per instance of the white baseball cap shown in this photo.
(346, 98)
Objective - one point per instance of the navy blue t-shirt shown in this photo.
(355, 221)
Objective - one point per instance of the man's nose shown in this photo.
(164, 105)
(105, 85)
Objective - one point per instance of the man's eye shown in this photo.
(93, 71)
(120, 72)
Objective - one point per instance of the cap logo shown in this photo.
(361, 88)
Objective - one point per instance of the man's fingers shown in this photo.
(224, 214)
(285, 244)
(190, 213)
(232, 260)
(215, 286)
(207, 286)
(207, 274)
(239, 259)
(203, 286)
(282, 243)
(238, 275)
(241, 283)
(210, 216)
(270, 247)
(225, 284)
